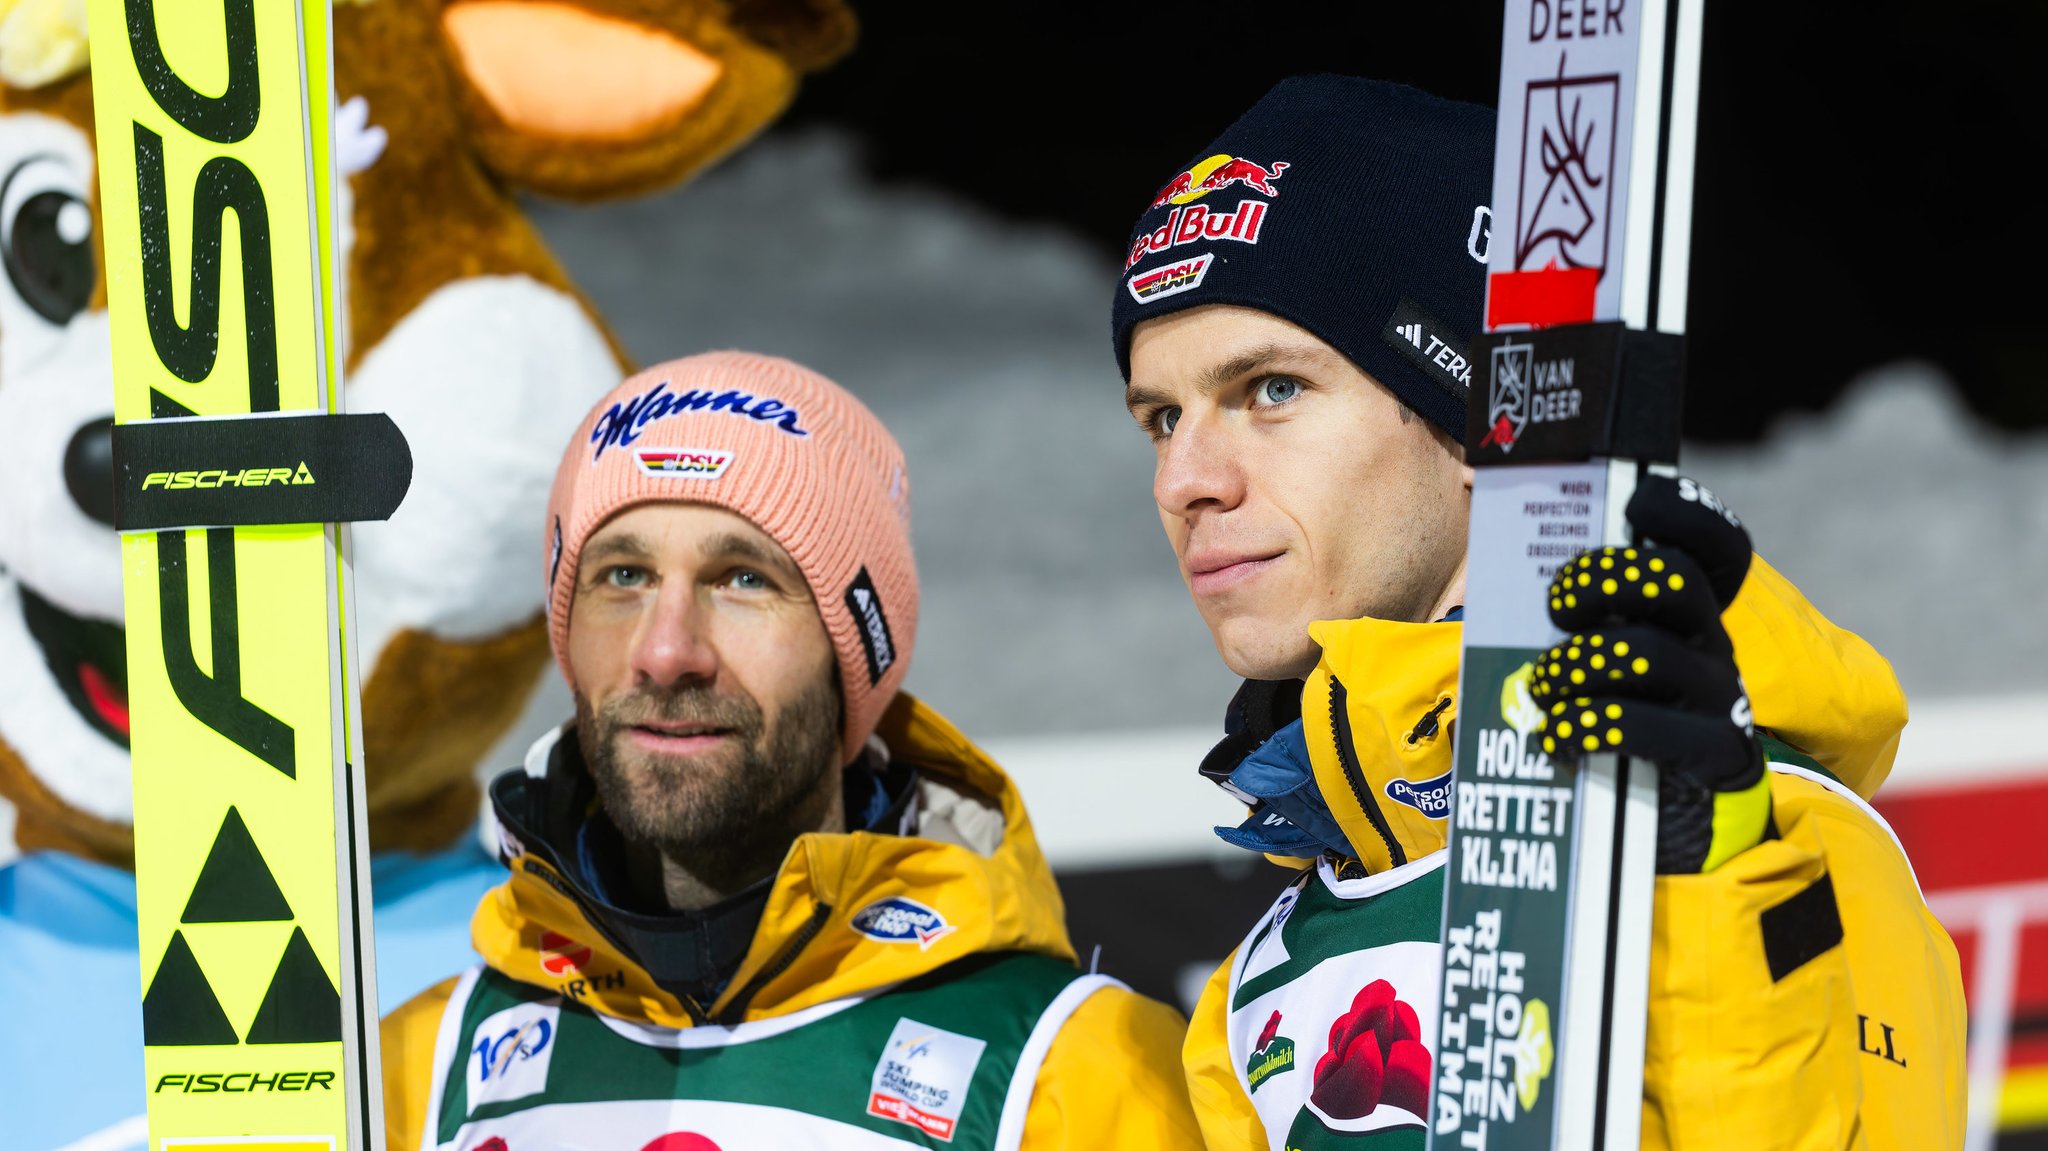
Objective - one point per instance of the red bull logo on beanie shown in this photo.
(1196, 224)
(1216, 173)
(900, 920)
(1184, 276)
(683, 463)
(1191, 223)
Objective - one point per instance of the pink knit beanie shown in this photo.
(794, 453)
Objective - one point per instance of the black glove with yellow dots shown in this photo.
(1648, 671)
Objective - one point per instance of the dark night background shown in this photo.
(1861, 188)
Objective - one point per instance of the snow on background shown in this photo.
(1051, 604)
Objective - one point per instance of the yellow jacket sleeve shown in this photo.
(407, 1037)
(1817, 686)
(1229, 1123)
(1112, 1079)
(1802, 996)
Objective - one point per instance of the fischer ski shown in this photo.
(231, 461)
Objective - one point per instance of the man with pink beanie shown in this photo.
(760, 897)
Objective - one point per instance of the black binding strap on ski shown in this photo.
(1569, 393)
(243, 470)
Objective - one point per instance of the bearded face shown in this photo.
(742, 774)
(707, 690)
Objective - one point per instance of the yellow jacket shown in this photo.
(833, 947)
(1860, 1045)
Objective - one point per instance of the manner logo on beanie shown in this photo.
(623, 422)
(1349, 207)
(794, 454)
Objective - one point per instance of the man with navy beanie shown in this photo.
(1291, 322)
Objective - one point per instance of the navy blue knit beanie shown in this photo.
(1354, 208)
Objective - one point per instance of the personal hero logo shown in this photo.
(1173, 279)
(622, 423)
(207, 478)
(900, 920)
(1431, 797)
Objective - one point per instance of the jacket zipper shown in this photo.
(1427, 725)
(1347, 756)
(737, 1009)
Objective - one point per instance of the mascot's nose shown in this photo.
(89, 470)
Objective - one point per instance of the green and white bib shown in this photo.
(949, 1060)
(1333, 1009)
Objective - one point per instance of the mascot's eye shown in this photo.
(46, 239)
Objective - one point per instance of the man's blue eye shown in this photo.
(1279, 390)
(1167, 418)
(626, 577)
(752, 581)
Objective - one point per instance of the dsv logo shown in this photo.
(188, 350)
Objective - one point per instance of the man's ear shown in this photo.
(593, 98)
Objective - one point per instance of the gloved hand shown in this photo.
(1648, 671)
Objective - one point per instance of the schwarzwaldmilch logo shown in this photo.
(1273, 1054)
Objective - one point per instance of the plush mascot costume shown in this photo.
(462, 326)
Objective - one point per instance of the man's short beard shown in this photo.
(732, 812)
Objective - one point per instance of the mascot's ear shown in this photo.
(595, 98)
(810, 34)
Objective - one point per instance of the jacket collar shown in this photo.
(691, 954)
(1370, 729)
(847, 914)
